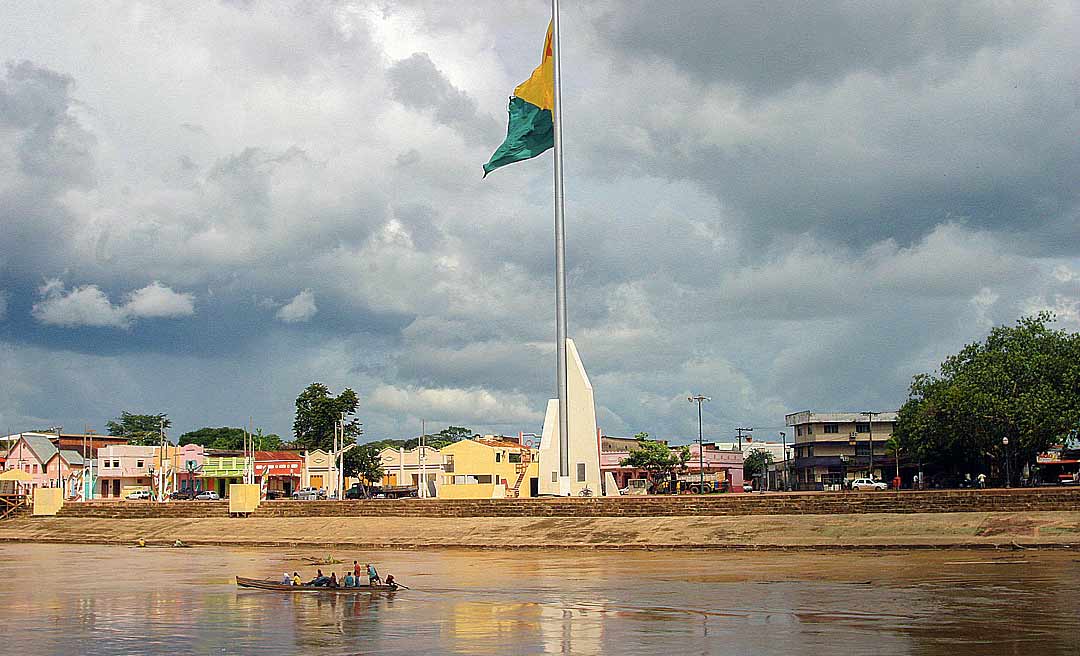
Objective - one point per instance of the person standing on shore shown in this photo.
(356, 571)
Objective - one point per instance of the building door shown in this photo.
(316, 481)
(104, 488)
(286, 487)
(116, 487)
(534, 487)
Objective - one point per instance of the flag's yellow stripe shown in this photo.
(539, 90)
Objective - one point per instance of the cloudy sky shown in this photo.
(207, 206)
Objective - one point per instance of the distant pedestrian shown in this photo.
(982, 481)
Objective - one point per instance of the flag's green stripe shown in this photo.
(529, 133)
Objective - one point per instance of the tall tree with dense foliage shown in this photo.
(757, 463)
(1021, 383)
(227, 438)
(658, 460)
(316, 412)
(364, 463)
(140, 430)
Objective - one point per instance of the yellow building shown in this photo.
(488, 467)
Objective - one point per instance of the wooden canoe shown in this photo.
(277, 586)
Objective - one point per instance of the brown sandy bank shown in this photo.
(879, 531)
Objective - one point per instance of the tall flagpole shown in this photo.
(560, 258)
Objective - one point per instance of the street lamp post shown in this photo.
(1008, 477)
(783, 438)
(699, 399)
(870, 428)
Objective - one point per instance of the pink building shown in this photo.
(189, 461)
(725, 466)
(47, 466)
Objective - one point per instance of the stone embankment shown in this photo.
(881, 520)
(804, 503)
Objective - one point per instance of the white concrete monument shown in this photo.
(584, 443)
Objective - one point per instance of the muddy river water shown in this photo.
(119, 600)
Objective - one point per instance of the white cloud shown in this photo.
(300, 309)
(475, 406)
(88, 305)
(82, 306)
(156, 301)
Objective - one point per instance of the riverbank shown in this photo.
(971, 530)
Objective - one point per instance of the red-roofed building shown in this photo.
(278, 472)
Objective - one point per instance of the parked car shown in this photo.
(747, 486)
(185, 494)
(140, 495)
(274, 494)
(868, 484)
(357, 491)
(309, 494)
(207, 495)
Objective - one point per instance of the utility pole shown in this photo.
(783, 438)
(422, 487)
(870, 428)
(699, 399)
(161, 457)
(740, 431)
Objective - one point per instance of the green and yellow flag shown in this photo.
(530, 130)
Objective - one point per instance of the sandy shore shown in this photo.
(878, 531)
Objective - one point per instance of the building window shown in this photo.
(104, 464)
(581, 472)
(138, 463)
(862, 427)
(798, 431)
(498, 456)
(35, 469)
(483, 479)
(809, 429)
(115, 463)
(515, 457)
(862, 448)
(554, 477)
(832, 428)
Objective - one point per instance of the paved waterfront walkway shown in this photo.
(865, 531)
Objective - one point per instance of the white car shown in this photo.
(207, 495)
(868, 484)
(140, 495)
(309, 494)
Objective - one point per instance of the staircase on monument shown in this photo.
(521, 468)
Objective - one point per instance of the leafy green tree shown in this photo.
(757, 463)
(230, 439)
(658, 460)
(140, 430)
(364, 463)
(316, 413)
(1020, 383)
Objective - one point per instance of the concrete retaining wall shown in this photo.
(812, 503)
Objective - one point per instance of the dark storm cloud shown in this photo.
(765, 47)
(418, 84)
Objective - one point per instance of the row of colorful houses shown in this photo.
(490, 466)
(106, 467)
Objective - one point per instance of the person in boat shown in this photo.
(320, 579)
(286, 579)
(296, 580)
(372, 575)
(350, 580)
(332, 582)
(390, 583)
(356, 571)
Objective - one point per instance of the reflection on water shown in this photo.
(107, 600)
